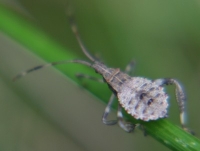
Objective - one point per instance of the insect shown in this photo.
(142, 98)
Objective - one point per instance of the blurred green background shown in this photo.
(49, 112)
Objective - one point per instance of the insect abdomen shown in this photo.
(143, 99)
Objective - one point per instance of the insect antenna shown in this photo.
(24, 73)
(83, 48)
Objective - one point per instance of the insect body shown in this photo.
(142, 98)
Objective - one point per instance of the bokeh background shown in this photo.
(50, 112)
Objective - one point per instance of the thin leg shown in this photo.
(180, 97)
(107, 111)
(143, 129)
(130, 67)
(80, 75)
(128, 127)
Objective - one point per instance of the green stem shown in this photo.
(16, 27)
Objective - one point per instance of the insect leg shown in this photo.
(130, 67)
(128, 127)
(107, 111)
(80, 75)
(180, 97)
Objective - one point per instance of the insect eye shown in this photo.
(149, 101)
